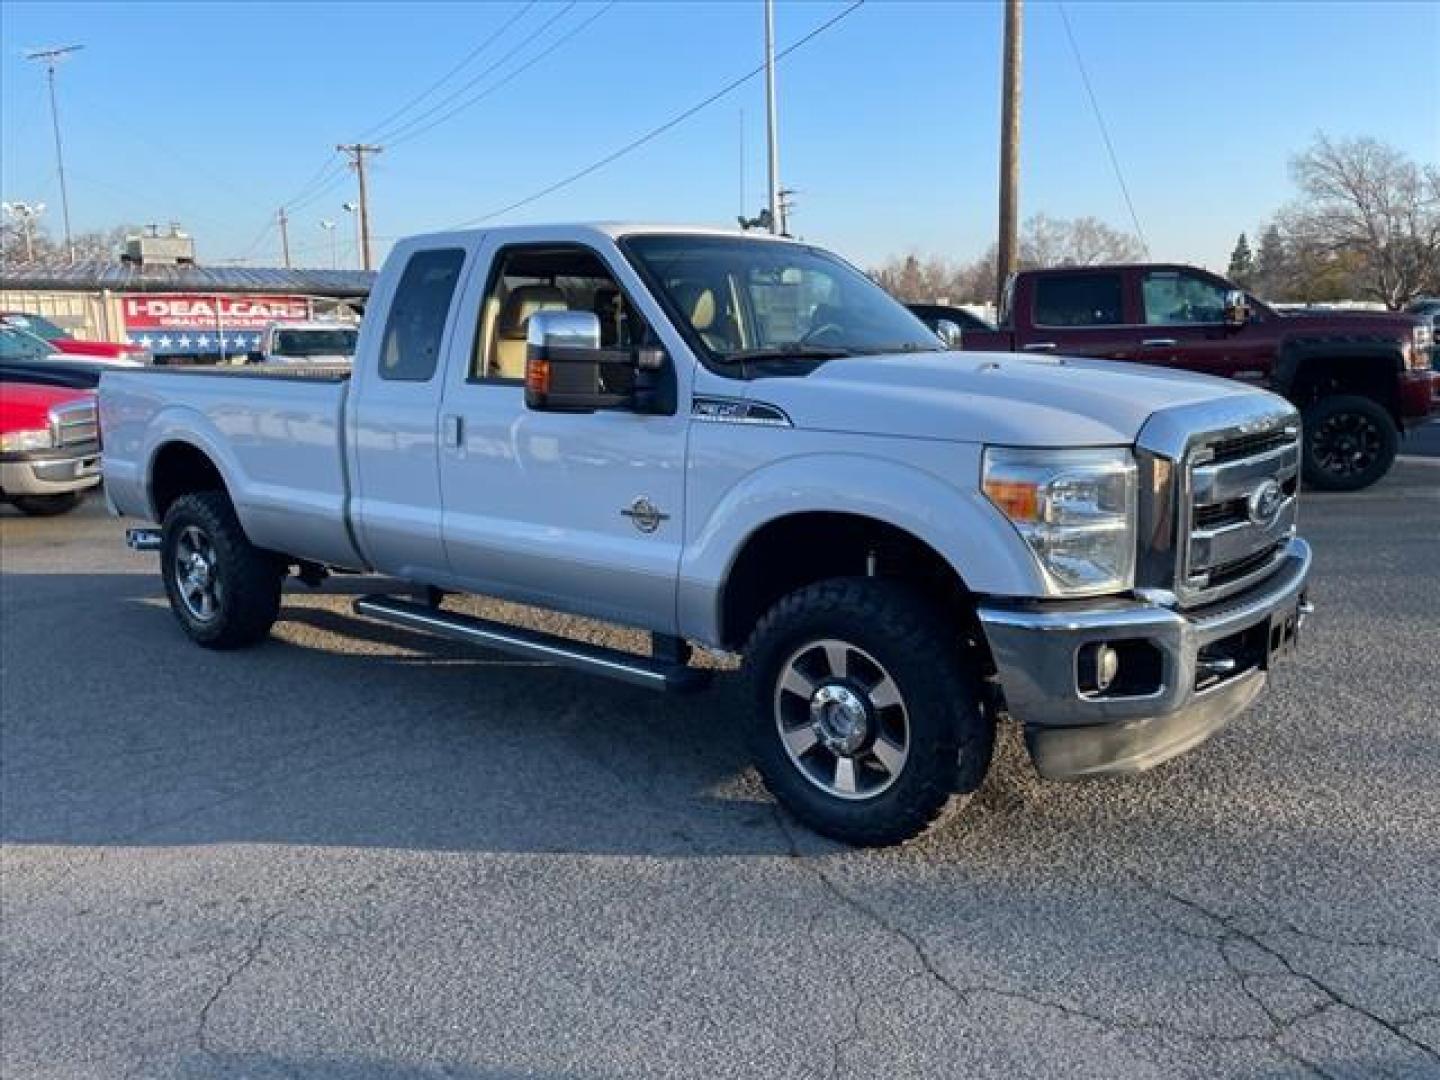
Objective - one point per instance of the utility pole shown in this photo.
(1009, 148)
(284, 235)
(774, 135)
(49, 57)
(357, 152)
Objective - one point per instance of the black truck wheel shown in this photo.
(1350, 442)
(224, 591)
(865, 717)
(47, 505)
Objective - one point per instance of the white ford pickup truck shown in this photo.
(742, 442)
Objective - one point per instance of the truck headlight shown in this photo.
(15, 442)
(1076, 510)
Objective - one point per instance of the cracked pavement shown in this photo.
(352, 853)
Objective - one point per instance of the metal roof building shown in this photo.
(118, 277)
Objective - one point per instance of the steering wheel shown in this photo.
(819, 331)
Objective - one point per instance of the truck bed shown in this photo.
(277, 437)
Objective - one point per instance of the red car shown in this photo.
(63, 342)
(49, 446)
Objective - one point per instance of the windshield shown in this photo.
(18, 345)
(744, 299)
(337, 342)
(43, 328)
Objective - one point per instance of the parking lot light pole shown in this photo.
(49, 57)
(773, 135)
(352, 208)
(329, 227)
(25, 214)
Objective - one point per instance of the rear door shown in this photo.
(1080, 313)
(395, 408)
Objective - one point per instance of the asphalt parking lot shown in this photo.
(349, 854)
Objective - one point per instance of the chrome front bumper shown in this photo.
(1072, 735)
(51, 474)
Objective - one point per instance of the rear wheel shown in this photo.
(47, 505)
(1350, 442)
(224, 591)
(866, 719)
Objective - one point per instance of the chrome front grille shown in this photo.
(1238, 506)
(1218, 487)
(75, 423)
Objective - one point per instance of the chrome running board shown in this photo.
(648, 671)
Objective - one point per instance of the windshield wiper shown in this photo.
(786, 352)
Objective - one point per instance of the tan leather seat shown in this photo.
(697, 301)
(508, 353)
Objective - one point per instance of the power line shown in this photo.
(1104, 131)
(331, 174)
(417, 125)
(656, 132)
(471, 55)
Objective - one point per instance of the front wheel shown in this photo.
(224, 591)
(1350, 442)
(865, 713)
(47, 505)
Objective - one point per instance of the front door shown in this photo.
(578, 512)
(1184, 316)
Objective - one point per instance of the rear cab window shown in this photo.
(1081, 299)
(410, 348)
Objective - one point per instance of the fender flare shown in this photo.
(189, 426)
(1297, 352)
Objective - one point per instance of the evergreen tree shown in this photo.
(1242, 263)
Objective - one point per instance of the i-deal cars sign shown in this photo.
(193, 323)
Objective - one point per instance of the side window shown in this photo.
(1173, 297)
(550, 277)
(1078, 300)
(410, 350)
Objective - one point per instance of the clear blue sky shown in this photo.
(214, 113)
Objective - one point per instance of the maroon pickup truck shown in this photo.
(1359, 377)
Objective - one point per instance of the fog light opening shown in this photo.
(1098, 666)
(1128, 667)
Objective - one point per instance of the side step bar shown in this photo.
(532, 645)
(142, 539)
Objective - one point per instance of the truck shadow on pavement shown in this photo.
(340, 731)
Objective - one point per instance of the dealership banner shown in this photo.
(196, 323)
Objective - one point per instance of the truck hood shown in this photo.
(1001, 398)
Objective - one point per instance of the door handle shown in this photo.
(452, 430)
(1039, 346)
(1159, 343)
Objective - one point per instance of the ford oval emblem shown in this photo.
(1264, 503)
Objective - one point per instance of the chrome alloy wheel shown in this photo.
(842, 719)
(196, 579)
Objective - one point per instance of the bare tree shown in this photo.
(94, 245)
(1082, 241)
(1366, 207)
(1044, 241)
